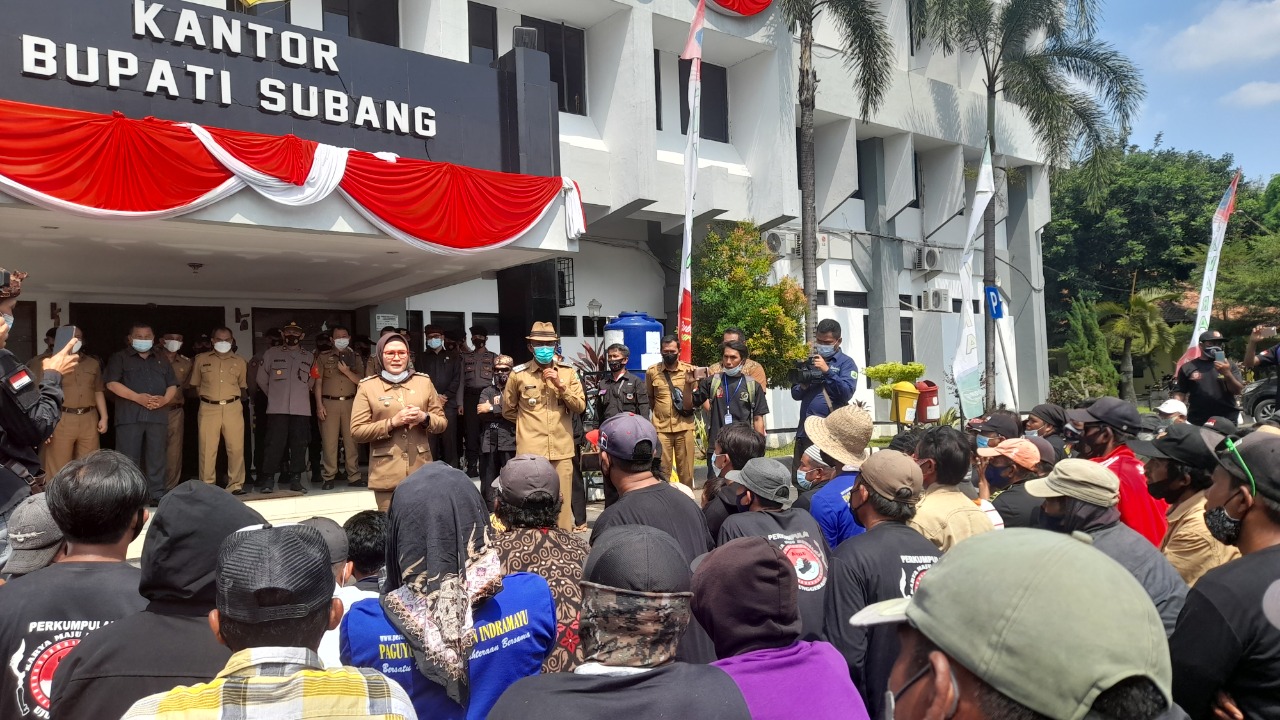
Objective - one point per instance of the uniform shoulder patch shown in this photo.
(421, 374)
(566, 365)
(368, 378)
(520, 368)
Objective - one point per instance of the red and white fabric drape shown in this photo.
(113, 167)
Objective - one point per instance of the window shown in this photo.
(866, 341)
(569, 326)
(482, 26)
(906, 302)
(567, 47)
(271, 9)
(373, 20)
(911, 28)
(919, 181)
(564, 275)
(956, 304)
(488, 321)
(594, 326)
(452, 323)
(908, 340)
(821, 297)
(977, 307)
(715, 101)
(657, 86)
(857, 300)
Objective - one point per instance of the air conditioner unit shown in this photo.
(936, 300)
(926, 259)
(781, 242)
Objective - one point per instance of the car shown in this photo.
(1259, 398)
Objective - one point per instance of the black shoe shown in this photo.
(327, 485)
(265, 489)
(240, 491)
(473, 471)
(359, 484)
(297, 487)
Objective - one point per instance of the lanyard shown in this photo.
(729, 396)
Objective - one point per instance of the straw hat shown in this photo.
(843, 435)
(543, 331)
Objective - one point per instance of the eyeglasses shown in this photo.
(395, 353)
(1231, 447)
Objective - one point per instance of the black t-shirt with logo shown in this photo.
(797, 535)
(886, 562)
(44, 615)
(1207, 394)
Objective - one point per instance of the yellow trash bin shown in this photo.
(905, 395)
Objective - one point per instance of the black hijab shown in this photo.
(1054, 415)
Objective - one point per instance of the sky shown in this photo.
(1212, 69)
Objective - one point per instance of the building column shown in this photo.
(1028, 214)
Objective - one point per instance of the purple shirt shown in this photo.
(773, 680)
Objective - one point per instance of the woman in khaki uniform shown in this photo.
(393, 412)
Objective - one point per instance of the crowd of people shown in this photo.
(1073, 563)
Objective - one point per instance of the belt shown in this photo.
(78, 411)
(219, 402)
(337, 397)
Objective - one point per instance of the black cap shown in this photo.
(478, 331)
(1111, 411)
(638, 558)
(1181, 442)
(1211, 335)
(292, 561)
(1261, 454)
(1221, 425)
(1003, 425)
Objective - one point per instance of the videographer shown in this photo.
(29, 411)
(823, 382)
(1210, 383)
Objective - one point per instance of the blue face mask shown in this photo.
(544, 355)
(733, 371)
(435, 343)
(984, 441)
(825, 351)
(142, 345)
(995, 477)
(1031, 433)
(802, 482)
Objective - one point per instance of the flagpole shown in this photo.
(692, 53)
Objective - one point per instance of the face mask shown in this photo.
(1161, 491)
(478, 342)
(995, 477)
(76, 348)
(435, 343)
(173, 345)
(396, 378)
(501, 378)
(544, 355)
(342, 343)
(617, 365)
(802, 481)
(222, 347)
(1224, 528)
(742, 507)
(670, 358)
(824, 351)
(292, 340)
(141, 345)
(1211, 351)
(983, 441)
(8, 320)
(733, 371)
(1031, 434)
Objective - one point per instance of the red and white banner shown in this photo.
(741, 8)
(692, 53)
(113, 167)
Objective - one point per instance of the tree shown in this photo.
(1139, 328)
(1077, 93)
(1086, 347)
(731, 273)
(868, 52)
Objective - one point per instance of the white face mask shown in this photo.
(222, 346)
(173, 345)
(395, 378)
(342, 343)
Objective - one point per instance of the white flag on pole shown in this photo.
(966, 367)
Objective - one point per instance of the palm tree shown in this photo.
(1078, 93)
(1138, 329)
(868, 53)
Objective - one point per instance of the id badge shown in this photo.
(728, 418)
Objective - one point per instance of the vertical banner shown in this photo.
(966, 368)
(693, 53)
(1220, 219)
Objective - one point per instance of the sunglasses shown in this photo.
(1232, 448)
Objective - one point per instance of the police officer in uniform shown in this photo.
(220, 378)
(29, 410)
(541, 398)
(84, 413)
(444, 367)
(497, 434)
(285, 375)
(395, 412)
(620, 391)
(170, 344)
(477, 376)
(257, 398)
(336, 377)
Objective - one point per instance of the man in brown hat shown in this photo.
(285, 376)
(842, 435)
(541, 398)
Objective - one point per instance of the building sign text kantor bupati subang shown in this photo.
(212, 82)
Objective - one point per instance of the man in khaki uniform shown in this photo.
(336, 377)
(84, 414)
(672, 416)
(541, 398)
(220, 379)
(170, 344)
(394, 411)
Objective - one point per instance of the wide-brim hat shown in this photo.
(844, 434)
(543, 331)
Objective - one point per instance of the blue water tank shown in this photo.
(641, 334)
